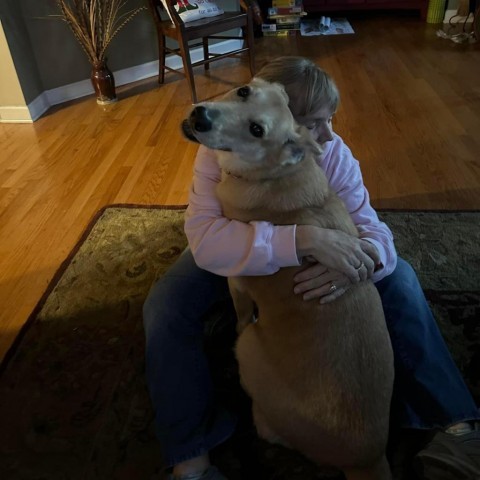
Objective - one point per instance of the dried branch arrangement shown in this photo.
(95, 23)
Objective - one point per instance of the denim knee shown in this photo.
(167, 306)
(403, 281)
(407, 313)
(153, 306)
(178, 302)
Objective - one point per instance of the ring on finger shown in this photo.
(332, 288)
(360, 266)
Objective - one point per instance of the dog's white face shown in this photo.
(252, 127)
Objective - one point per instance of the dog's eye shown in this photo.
(243, 92)
(256, 130)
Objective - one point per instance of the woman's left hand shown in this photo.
(317, 281)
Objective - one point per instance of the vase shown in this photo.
(103, 83)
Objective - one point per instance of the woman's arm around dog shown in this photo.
(232, 248)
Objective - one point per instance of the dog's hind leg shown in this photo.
(378, 471)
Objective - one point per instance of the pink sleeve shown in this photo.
(228, 247)
(345, 177)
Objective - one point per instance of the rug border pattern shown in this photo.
(63, 266)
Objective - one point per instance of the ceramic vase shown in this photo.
(103, 83)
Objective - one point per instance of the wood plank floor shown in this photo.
(410, 112)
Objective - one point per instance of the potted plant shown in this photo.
(95, 23)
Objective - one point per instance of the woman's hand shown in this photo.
(317, 281)
(337, 251)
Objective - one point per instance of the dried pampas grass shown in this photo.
(96, 22)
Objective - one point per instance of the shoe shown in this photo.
(450, 457)
(211, 473)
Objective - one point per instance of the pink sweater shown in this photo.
(231, 248)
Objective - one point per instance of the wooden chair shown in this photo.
(204, 29)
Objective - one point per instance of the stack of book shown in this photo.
(283, 18)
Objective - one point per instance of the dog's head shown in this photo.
(252, 127)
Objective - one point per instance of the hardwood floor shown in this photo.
(410, 112)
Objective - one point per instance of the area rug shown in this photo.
(73, 402)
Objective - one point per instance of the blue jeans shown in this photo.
(429, 391)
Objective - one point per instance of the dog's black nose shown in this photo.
(200, 119)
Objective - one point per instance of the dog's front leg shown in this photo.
(244, 305)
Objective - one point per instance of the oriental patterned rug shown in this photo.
(73, 402)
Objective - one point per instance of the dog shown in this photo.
(320, 375)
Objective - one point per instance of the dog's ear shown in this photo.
(307, 140)
(295, 149)
(292, 152)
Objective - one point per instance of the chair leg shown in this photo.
(250, 42)
(206, 55)
(161, 58)
(187, 66)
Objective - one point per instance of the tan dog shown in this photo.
(320, 376)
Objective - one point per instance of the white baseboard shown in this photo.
(449, 14)
(128, 75)
(13, 114)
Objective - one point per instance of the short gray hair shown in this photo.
(303, 80)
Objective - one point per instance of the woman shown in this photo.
(429, 390)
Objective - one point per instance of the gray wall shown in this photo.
(21, 49)
(47, 55)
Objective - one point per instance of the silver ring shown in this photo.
(360, 266)
(333, 287)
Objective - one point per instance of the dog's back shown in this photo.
(320, 376)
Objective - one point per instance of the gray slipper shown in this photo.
(211, 473)
(450, 457)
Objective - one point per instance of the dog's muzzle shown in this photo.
(201, 121)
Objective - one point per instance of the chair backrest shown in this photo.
(207, 28)
(169, 7)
